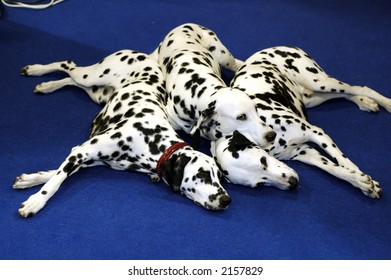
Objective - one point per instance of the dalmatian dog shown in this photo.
(199, 102)
(283, 81)
(245, 163)
(132, 132)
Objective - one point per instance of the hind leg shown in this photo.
(42, 69)
(25, 181)
(319, 87)
(316, 98)
(100, 92)
(358, 179)
(108, 72)
(329, 88)
(99, 80)
(324, 87)
(99, 95)
(48, 87)
(68, 67)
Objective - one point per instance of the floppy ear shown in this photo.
(195, 144)
(239, 141)
(206, 120)
(172, 171)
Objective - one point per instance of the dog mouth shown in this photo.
(290, 184)
(223, 203)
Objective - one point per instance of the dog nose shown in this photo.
(270, 136)
(293, 183)
(225, 200)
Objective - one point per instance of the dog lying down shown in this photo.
(282, 81)
(191, 57)
(198, 100)
(245, 163)
(132, 132)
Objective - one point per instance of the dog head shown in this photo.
(196, 176)
(231, 110)
(245, 163)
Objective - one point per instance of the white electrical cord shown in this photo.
(18, 4)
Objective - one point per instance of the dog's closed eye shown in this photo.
(241, 117)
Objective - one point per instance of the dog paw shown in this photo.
(154, 178)
(374, 191)
(32, 70)
(24, 71)
(45, 87)
(369, 187)
(366, 104)
(25, 181)
(382, 100)
(31, 206)
(29, 70)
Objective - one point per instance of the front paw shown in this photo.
(32, 205)
(154, 178)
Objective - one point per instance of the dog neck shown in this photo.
(167, 153)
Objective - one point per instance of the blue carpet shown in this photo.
(100, 213)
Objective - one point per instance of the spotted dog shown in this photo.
(245, 163)
(282, 81)
(132, 132)
(198, 99)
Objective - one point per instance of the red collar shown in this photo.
(167, 154)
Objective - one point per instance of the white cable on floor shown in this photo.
(20, 4)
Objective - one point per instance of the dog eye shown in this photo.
(241, 117)
(219, 174)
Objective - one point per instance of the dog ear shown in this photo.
(239, 141)
(173, 169)
(206, 120)
(195, 144)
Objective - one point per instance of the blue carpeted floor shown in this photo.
(100, 213)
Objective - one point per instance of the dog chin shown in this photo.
(211, 207)
(286, 186)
